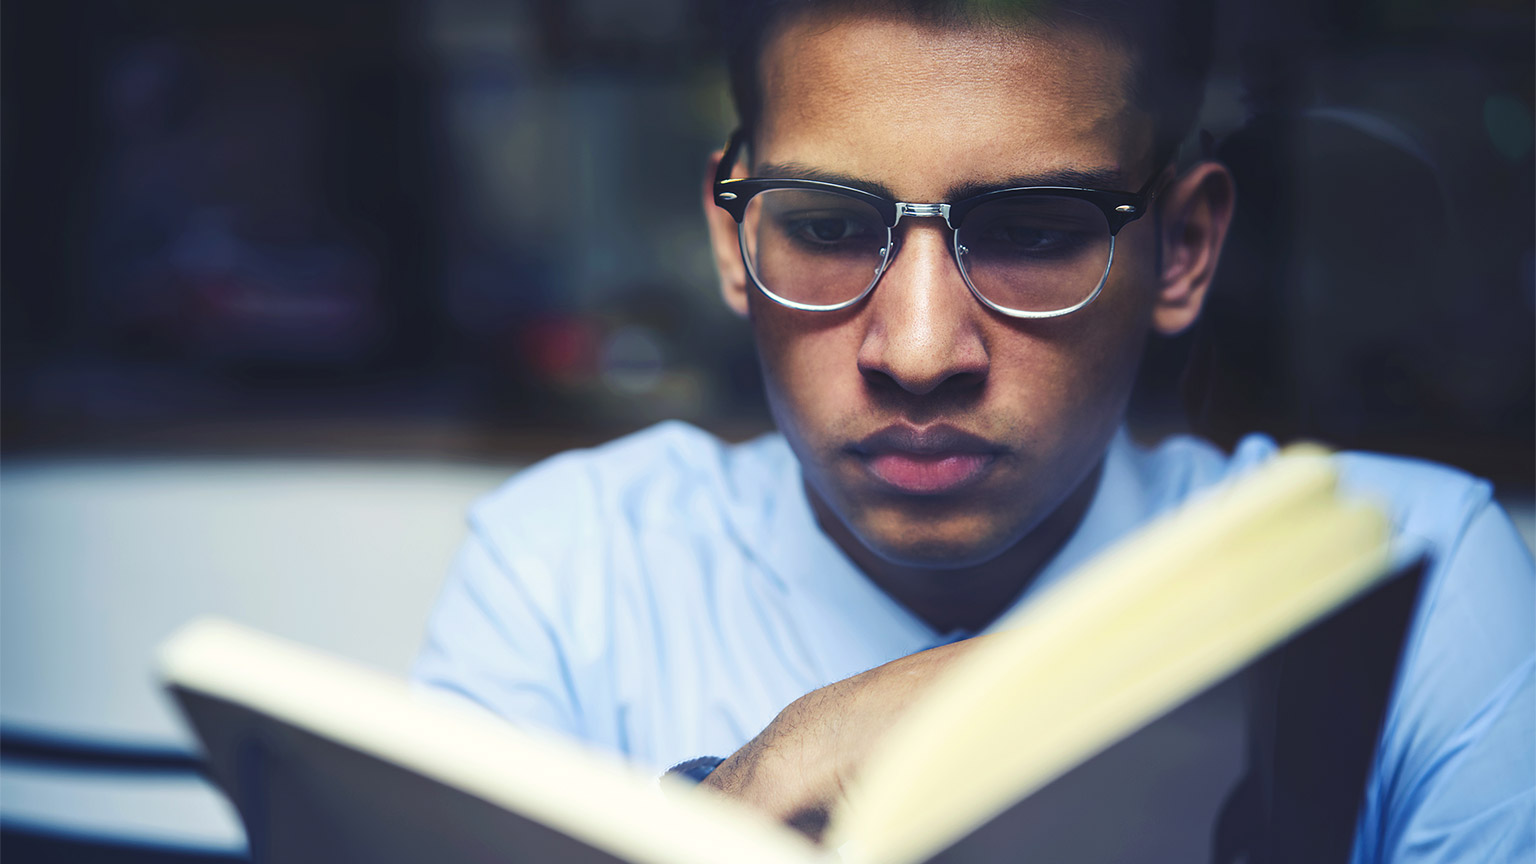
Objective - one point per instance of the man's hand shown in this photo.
(795, 769)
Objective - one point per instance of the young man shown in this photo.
(952, 228)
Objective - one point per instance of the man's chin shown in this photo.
(934, 534)
(933, 550)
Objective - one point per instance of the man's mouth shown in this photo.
(931, 461)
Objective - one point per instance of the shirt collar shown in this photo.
(1121, 503)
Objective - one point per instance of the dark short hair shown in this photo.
(1170, 41)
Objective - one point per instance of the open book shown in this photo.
(1210, 689)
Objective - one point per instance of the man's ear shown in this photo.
(1195, 211)
(722, 238)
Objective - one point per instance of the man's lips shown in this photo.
(930, 461)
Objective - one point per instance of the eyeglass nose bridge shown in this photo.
(905, 209)
(893, 243)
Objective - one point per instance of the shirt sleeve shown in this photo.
(488, 640)
(1456, 772)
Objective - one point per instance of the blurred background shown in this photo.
(284, 285)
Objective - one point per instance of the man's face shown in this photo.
(938, 432)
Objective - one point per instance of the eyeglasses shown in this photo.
(1030, 252)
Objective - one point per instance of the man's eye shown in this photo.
(829, 230)
(1031, 239)
(825, 230)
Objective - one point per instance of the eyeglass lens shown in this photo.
(1029, 253)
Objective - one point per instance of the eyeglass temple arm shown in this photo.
(733, 147)
(1164, 158)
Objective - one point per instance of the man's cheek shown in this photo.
(814, 383)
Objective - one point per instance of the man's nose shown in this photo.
(924, 329)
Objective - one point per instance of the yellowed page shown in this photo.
(1164, 558)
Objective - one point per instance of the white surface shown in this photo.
(101, 560)
(163, 810)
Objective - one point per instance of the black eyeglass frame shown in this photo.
(733, 194)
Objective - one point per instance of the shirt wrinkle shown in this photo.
(1477, 725)
(475, 593)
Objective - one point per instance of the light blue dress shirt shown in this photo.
(665, 595)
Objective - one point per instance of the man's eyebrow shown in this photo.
(794, 171)
(1083, 178)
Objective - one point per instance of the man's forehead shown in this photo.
(881, 97)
